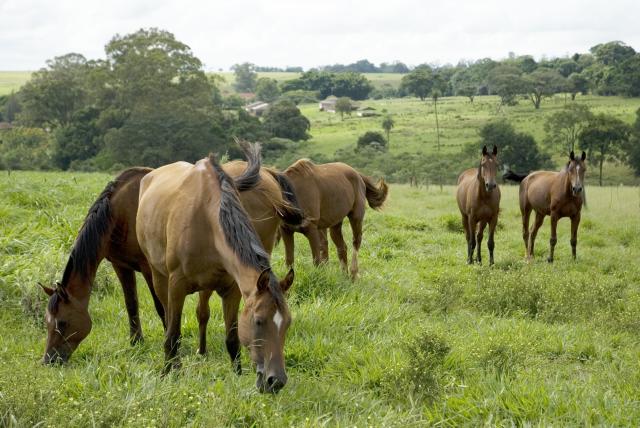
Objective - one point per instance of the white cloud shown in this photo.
(311, 33)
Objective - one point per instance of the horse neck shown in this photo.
(566, 182)
(246, 277)
(80, 285)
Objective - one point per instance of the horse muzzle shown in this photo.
(271, 383)
(576, 190)
(54, 357)
(490, 186)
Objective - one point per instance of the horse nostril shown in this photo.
(274, 384)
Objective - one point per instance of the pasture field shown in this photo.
(12, 80)
(421, 338)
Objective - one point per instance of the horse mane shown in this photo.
(239, 232)
(302, 167)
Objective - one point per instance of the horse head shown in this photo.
(262, 329)
(488, 168)
(576, 169)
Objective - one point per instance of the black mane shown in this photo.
(239, 232)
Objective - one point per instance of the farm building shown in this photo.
(367, 112)
(329, 104)
(256, 108)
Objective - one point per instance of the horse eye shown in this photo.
(61, 325)
(259, 322)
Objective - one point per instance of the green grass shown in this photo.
(12, 80)
(421, 338)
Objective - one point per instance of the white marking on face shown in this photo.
(277, 318)
(47, 316)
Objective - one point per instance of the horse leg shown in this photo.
(341, 247)
(175, 303)
(324, 245)
(490, 243)
(203, 313)
(534, 232)
(356, 228)
(526, 214)
(287, 239)
(148, 277)
(575, 222)
(127, 279)
(471, 245)
(479, 237)
(313, 235)
(230, 305)
(554, 237)
(465, 225)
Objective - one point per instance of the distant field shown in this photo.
(12, 80)
(421, 339)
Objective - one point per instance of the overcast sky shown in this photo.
(311, 33)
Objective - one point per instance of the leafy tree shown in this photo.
(418, 82)
(244, 126)
(267, 89)
(372, 139)
(80, 139)
(343, 105)
(633, 147)
(246, 77)
(518, 151)
(465, 84)
(612, 53)
(25, 148)
(604, 139)
(506, 82)
(55, 93)
(285, 120)
(625, 78)
(577, 83)
(564, 127)
(12, 107)
(387, 125)
(352, 85)
(543, 83)
(319, 81)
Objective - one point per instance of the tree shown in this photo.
(246, 77)
(612, 53)
(353, 85)
(518, 151)
(564, 127)
(625, 78)
(387, 125)
(25, 148)
(543, 83)
(577, 83)
(506, 82)
(343, 105)
(372, 139)
(633, 146)
(267, 89)
(12, 107)
(55, 93)
(418, 82)
(604, 139)
(285, 120)
(438, 86)
(465, 84)
(80, 139)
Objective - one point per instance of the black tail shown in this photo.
(376, 195)
(291, 213)
(251, 176)
(512, 176)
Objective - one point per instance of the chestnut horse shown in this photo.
(197, 236)
(555, 194)
(109, 232)
(478, 199)
(327, 194)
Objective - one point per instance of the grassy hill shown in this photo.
(12, 80)
(420, 339)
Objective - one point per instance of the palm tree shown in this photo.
(387, 124)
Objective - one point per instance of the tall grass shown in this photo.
(421, 338)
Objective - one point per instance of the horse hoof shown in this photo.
(549, 260)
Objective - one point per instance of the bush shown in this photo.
(374, 140)
(25, 148)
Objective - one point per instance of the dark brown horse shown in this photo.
(109, 232)
(555, 194)
(328, 193)
(197, 236)
(478, 198)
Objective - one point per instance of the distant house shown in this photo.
(328, 104)
(256, 108)
(367, 112)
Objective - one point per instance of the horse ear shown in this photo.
(263, 281)
(484, 151)
(584, 156)
(287, 281)
(495, 150)
(47, 290)
(572, 155)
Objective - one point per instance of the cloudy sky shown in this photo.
(311, 33)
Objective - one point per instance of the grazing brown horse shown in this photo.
(327, 194)
(556, 194)
(197, 236)
(478, 198)
(109, 232)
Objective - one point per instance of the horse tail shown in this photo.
(290, 212)
(512, 176)
(376, 193)
(251, 176)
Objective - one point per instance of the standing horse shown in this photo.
(555, 194)
(109, 231)
(328, 193)
(197, 236)
(478, 199)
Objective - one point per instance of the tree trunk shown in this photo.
(601, 162)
